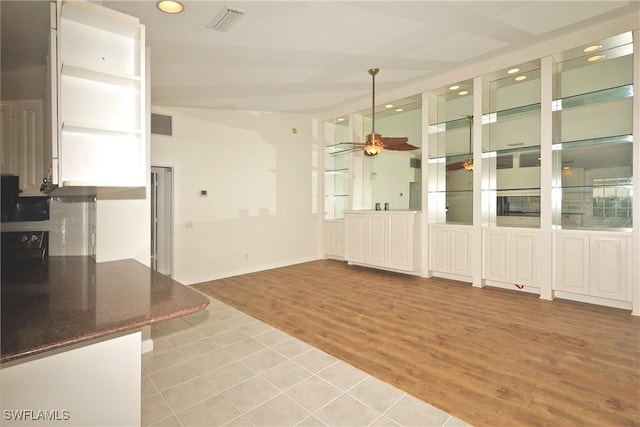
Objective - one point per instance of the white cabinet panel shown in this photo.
(8, 143)
(609, 272)
(572, 263)
(334, 239)
(377, 246)
(511, 256)
(524, 256)
(384, 239)
(450, 249)
(461, 252)
(355, 233)
(22, 143)
(593, 264)
(31, 167)
(440, 255)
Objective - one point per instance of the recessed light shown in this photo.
(399, 110)
(513, 70)
(341, 119)
(170, 6)
(595, 58)
(520, 78)
(566, 168)
(592, 48)
(463, 92)
(388, 106)
(454, 87)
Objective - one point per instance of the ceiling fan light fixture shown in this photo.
(468, 165)
(170, 6)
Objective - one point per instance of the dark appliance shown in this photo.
(15, 208)
(25, 257)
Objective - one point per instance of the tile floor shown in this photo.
(222, 367)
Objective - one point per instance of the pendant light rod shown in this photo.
(373, 72)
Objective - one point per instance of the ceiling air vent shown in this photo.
(225, 19)
(161, 124)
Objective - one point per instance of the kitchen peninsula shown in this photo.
(71, 338)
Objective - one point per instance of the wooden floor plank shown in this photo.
(491, 357)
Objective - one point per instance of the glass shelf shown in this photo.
(495, 116)
(450, 191)
(336, 195)
(342, 171)
(604, 95)
(616, 139)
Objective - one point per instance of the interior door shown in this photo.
(161, 219)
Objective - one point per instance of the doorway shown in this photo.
(161, 219)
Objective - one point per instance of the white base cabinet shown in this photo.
(388, 240)
(511, 258)
(450, 249)
(334, 239)
(593, 267)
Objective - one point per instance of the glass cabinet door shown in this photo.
(451, 156)
(593, 136)
(511, 148)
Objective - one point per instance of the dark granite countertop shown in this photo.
(74, 299)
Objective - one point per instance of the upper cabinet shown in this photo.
(98, 94)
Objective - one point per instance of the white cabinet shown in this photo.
(450, 249)
(101, 118)
(334, 239)
(511, 257)
(22, 143)
(385, 239)
(593, 264)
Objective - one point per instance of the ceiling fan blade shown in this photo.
(455, 166)
(347, 150)
(400, 147)
(391, 140)
(353, 143)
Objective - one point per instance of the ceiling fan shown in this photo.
(374, 142)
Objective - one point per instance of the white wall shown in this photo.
(260, 179)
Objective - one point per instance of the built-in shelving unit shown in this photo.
(511, 148)
(101, 98)
(593, 138)
(450, 180)
(337, 176)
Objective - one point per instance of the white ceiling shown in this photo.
(306, 56)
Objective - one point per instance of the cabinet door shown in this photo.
(355, 234)
(461, 262)
(439, 251)
(401, 242)
(609, 271)
(30, 146)
(8, 154)
(496, 255)
(572, 263)
(378, 241)
(524, 258)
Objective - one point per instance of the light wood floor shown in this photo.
(488, 356)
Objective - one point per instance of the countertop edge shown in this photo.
(100, 334)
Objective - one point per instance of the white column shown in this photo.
(546, 171)
(635, 274)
